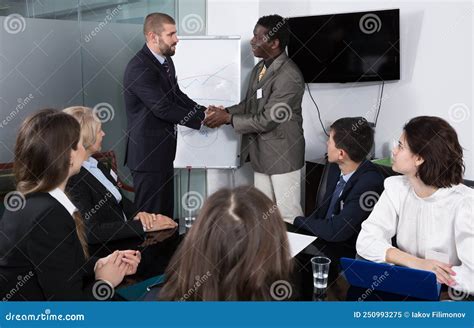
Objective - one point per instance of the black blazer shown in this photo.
(102, 214)
(154, 105)
(348, 212)
(41, 257)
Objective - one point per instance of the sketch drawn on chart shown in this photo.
(206, 90)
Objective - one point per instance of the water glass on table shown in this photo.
(320, 266)
(188, 222)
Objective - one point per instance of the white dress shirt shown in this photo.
(439, 227)
(61, 197)
(160, 58)
(91, 165)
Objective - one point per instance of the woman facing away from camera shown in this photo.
(116, 217)
(43, 238)
(428, 208)
(235, 251)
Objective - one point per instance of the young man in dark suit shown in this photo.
(155, 105)
(353, 186)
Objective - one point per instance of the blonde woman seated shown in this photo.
(95, 193)
(235, 251)
(43, 238)
(428, 209)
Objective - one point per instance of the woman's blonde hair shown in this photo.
(90, 123)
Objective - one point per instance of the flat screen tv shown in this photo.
(351, 47)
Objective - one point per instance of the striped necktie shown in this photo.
(166, 66)
(335, 196)
(262, 73)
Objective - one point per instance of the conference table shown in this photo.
(158, 248)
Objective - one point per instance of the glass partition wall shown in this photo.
(60, 53)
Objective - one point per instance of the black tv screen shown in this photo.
(351, 47)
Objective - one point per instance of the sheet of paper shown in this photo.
(298, 242)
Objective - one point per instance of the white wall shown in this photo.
(436, 67)
(233, 18)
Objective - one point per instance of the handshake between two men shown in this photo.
(216, 116)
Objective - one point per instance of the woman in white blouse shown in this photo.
(427, 208)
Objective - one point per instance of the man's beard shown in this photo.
(166, 50)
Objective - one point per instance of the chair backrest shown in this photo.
(469, 183)
(108, 159)
(322, 185)
(7, 180)
(7, 183)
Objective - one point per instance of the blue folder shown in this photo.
(391, 278)
(140, 292)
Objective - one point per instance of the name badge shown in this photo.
(259, 93)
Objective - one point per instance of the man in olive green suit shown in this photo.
(270, 119)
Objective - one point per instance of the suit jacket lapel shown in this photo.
(97, 186)
(106, 172)
(353, 178)
(332, 182)
(274, 67)
(156, 65)
(254, 82)
(333, 177)
(172, 70)
(147, 52)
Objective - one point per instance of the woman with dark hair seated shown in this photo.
(428, 209)
(42, 240)
(95, 193)
(235, 251)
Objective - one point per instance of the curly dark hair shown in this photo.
(278, 28)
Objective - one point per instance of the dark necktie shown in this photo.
(166, 66)
(335, 196)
